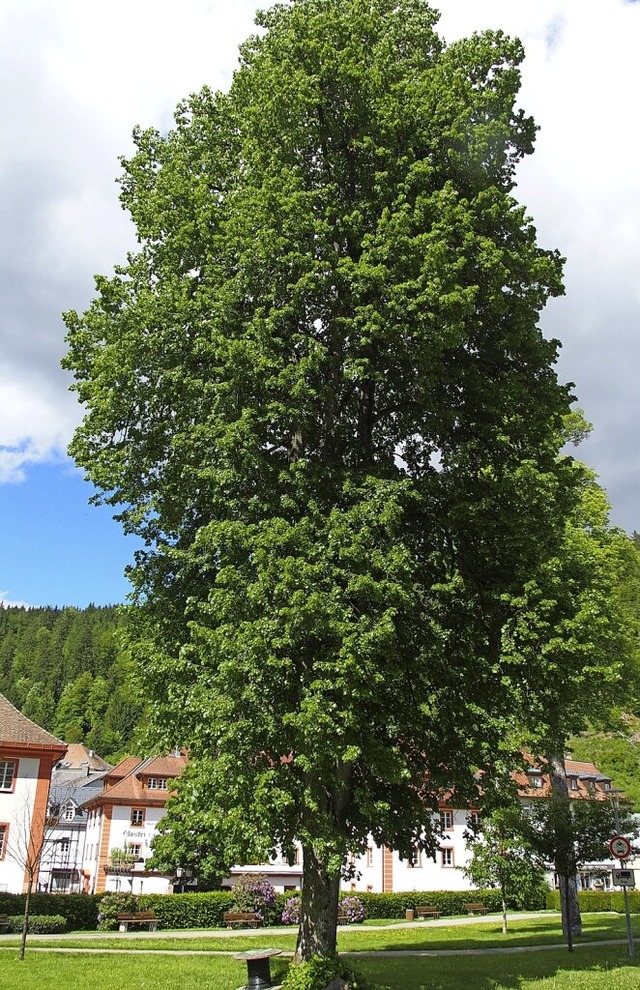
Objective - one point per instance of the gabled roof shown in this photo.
(78, 757)
(129, 787)
(18, 730)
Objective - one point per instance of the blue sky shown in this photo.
(75, 77)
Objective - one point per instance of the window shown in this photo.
(63, 846)
(446, 820)
(7, 774)
(133, 849)
(137, 817)
(415, 858)
(69, 811)
(157, 783)
(535, 780)
(446, 857)
(573, 784)
(369, 888)
(4, 832)
(474, 819)
(369, 856)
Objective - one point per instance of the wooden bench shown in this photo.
(249, 918)
(4, 924)
(141, 918)
(342, 918)
(476, 909)
(427, 912)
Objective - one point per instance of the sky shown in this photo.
(77, 75)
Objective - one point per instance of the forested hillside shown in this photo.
(67, 670)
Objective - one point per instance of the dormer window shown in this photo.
(69, 812)
(157, 783)
(535, 780)
(573, 783)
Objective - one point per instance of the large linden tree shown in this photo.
(319, 394)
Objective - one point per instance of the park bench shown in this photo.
(476, 909)
(147, 918)
(4, 924)
(427, 912)
(249, 918)
(342, 918)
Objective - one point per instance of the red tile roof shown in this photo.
(18, 730)
(129, 787)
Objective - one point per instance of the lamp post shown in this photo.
(614, 797)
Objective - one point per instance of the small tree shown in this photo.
(502, 860)
(564, 834)
(28, 837)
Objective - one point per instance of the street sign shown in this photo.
(620, 847)
(623, 878)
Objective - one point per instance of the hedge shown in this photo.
(187, 910)
(39, 924)
(79, 910)
(599, 900)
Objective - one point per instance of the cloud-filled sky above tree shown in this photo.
(76, 76)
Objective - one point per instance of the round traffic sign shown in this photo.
(620, 847)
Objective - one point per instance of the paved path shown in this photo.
(261, 932)
(367, 954)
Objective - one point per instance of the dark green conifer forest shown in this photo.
(67, 670)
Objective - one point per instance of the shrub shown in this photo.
(318, 972)
(39, 924)
(291, 911)
(253, 892)
(353, 909)
(111, 906)
(188, 910)
(588, 900)
(617, 901)
(80, 910)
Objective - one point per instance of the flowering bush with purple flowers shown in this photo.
(352, 908)
(253, 892)
(291, 911)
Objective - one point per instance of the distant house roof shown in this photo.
(78, 757)
(18, 730)
(535, 782)
(130, 787)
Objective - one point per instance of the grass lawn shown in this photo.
(541, 930)
(587, 969)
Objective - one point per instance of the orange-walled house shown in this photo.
(27, 756)
(123, 818)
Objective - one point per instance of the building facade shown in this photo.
(28, 754)
(121, 823)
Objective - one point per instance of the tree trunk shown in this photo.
(25, 919)
(503, 891)
(318, 909)
(566, 865)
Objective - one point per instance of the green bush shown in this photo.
(187, 910)
(446, 901)
(80, 910)
(617, 901)
(39, 924)
(588, 900)
(111, 906)
(318, 972)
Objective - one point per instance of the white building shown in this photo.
(27, 756)
(122, 821)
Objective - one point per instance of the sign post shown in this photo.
(620, 848)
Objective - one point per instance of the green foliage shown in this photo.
(39, 924)
(590, 901)
(502, 859)
(319, 394)
(67, 670)
(80, 910)
(633, 898)
(187, 910)
(111, 906)
(617, 755)
(318, 972)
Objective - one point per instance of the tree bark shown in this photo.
(503, 891)
(318, 909)
(565, 864)
(25, 919)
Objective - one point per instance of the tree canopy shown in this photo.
(319, 393)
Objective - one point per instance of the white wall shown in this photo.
(16, 809)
